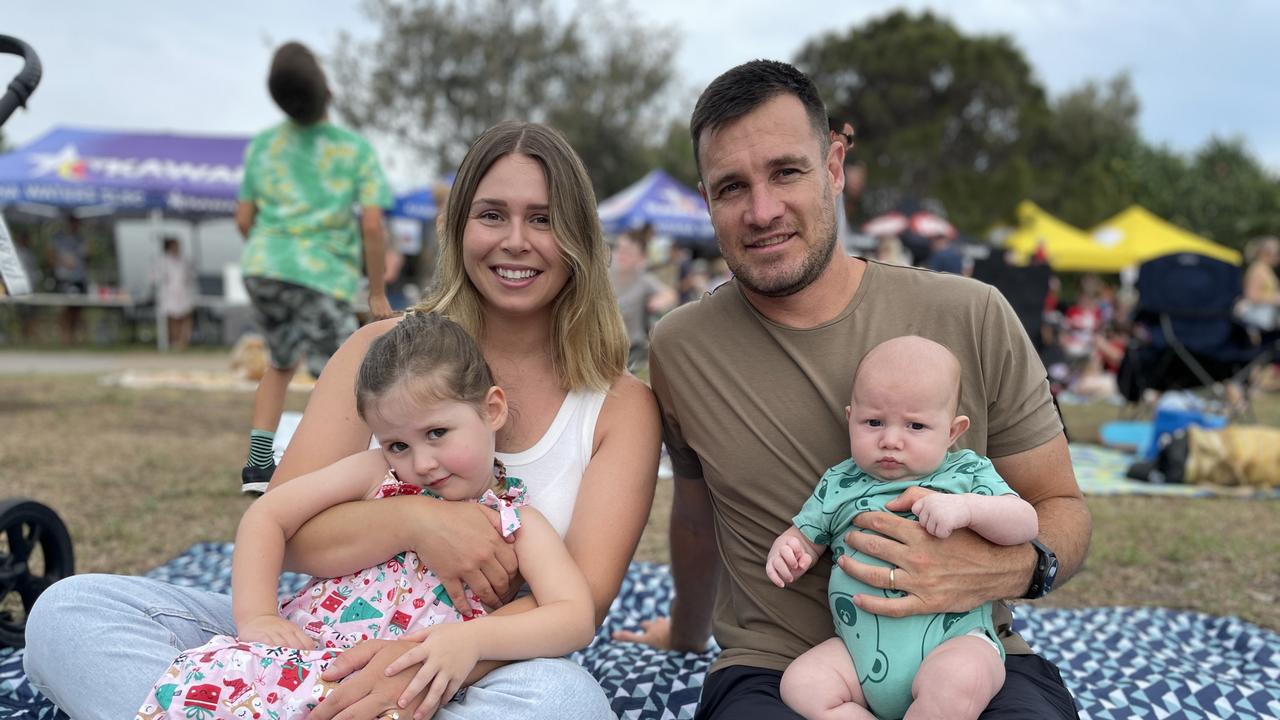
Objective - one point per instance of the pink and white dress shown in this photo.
(226, 678)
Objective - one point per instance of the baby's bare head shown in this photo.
(910, 365)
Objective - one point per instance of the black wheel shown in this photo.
(35, 551)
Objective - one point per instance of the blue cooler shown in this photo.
(1168, 420)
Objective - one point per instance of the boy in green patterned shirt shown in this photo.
(301, 264)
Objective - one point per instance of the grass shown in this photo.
(139, 476)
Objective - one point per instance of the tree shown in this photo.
(675, 154)
(1235, 199)
(938, 114)
(440, 73)
(1089, 139)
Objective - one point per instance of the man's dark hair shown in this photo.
(297, 84)
(748, 86)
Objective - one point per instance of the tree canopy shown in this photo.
(937, 114)
(440, 73)
(962, 119)
(940, 115)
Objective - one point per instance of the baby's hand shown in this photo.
(275, 630)
(941, 513)
(787, 560)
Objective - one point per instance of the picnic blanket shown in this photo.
(1101, 471)
(1118, 662)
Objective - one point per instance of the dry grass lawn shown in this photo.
(141, 475)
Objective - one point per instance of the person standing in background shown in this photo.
(1261, 288)
(302, 261)
(640, 294)
(69, 258)
(175, 282)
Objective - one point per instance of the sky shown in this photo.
(1199, 68)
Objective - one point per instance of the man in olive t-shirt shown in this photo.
(752, 381)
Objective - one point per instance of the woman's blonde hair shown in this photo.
(1254, 247)
(589, 344)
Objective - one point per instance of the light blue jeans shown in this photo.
(97, 643)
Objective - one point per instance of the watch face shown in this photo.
(1050, 575)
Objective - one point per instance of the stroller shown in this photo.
(1185, 335)
(35, 547)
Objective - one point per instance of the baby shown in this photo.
(902, 421)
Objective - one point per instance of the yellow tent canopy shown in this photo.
(1139, 236)
(1068, 248)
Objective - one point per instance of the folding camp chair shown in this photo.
(1185, 335)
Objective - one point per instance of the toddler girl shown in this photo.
(427, 394)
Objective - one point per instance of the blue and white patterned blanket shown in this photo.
(1118, 662)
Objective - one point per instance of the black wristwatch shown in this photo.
(1045, 573)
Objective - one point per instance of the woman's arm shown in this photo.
(615, 495)
(617, 490)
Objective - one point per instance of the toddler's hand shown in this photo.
(787, 560)
(940, 513)
(275, 630)
(448, 653)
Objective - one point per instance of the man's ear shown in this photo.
(835, 166)
(495, 408)
(958, 426)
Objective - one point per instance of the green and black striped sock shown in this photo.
(260, 454)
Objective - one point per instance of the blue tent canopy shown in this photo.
(418, 204)
(659, 200)
(73, 167)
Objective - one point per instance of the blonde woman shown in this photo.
(523, 267)
(1261, 292)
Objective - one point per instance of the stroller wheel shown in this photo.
(35, 551)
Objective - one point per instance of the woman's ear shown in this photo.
(495, 407)
(958, 426)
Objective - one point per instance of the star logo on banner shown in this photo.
(65, 163)
(681, 202)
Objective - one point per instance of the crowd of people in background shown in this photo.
(1086, 325)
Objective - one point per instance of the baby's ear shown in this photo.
(958, 426)
(848, 413)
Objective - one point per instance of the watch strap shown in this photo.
(1045, 572)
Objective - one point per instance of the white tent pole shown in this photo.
(162, 327)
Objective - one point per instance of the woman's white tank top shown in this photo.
(552, 469)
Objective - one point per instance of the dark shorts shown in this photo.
(299, 322)
(1032, 689)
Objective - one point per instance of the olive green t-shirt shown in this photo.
(756, 409)
(305, 183)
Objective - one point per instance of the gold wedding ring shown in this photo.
(390, 714)
(893, 583)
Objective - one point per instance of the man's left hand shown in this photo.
(952, 575)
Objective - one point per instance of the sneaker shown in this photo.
(253, 480)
